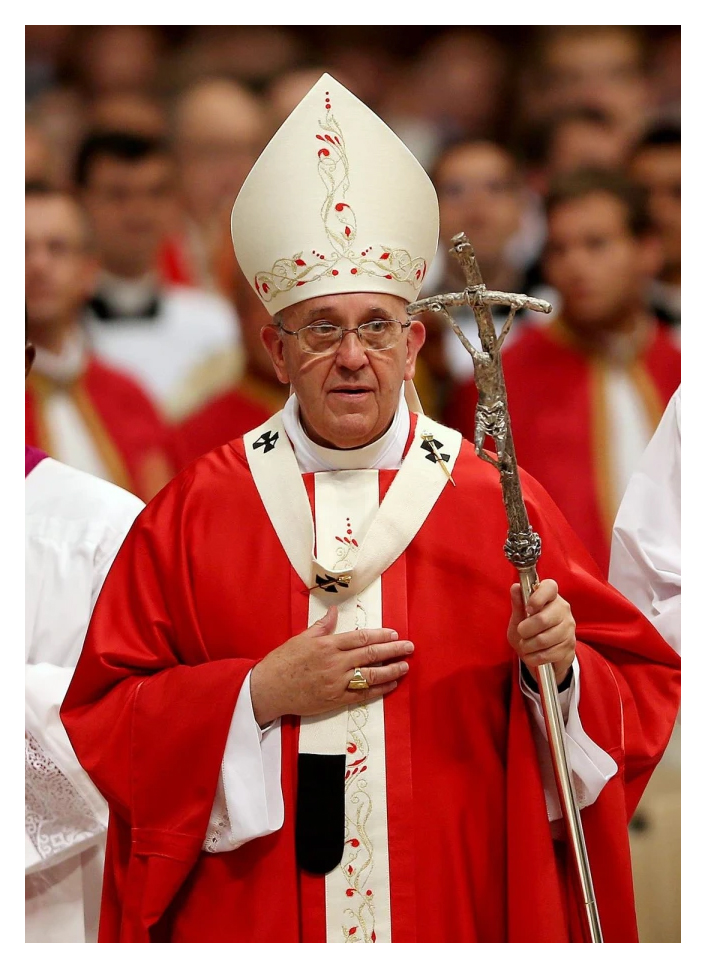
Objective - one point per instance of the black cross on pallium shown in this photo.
(267, 440)
(427, 445)
(328, 583)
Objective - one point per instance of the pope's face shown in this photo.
(349, 396)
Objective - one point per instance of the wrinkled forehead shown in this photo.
(345, 307)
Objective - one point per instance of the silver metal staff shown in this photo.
(523, 545)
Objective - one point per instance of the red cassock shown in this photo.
(202, 589)
(127, 431)
(560, 424)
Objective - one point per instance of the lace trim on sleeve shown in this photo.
(218, 834)
(57, 817)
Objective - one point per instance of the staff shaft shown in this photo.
(554, 722)
(523, 545)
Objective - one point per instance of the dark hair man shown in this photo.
(656, 165)
(588, 390)
(156, 332)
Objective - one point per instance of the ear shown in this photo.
(416, 334)
(273, 343)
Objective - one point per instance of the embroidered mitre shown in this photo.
(335, 203)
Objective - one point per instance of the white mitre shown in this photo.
(335, 203)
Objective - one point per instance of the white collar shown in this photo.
(386, 452)
(127, 296)
(66, 365)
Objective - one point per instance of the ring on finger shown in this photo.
(358, 681)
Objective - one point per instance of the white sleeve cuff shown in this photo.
(591, 766)
(248, 801)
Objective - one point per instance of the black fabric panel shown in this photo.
(320, 827)
(532, 683)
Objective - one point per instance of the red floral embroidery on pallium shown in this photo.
(352, 930)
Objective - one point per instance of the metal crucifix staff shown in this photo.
(523, 545)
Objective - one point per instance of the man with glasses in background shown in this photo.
(314, 687)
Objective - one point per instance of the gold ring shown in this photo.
(358, 681)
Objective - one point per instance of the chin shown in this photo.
(350, 431)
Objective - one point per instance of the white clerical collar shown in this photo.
(66, 365)
(127, 296)
(386, 452)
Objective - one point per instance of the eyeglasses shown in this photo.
(323, 337)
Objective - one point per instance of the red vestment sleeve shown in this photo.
(148, 714)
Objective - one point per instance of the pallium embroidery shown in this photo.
(357, 862)
(341, 230)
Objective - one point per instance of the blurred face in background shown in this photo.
(252, 316)
(59, 270)
(220, 129)
(658, 169)
(580, 143)
(459, 80)
(479, 194)
(38, 162)
(117, 59)
(597, 67)
(597, 264)
(131, 208)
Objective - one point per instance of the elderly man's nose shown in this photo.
(350, 350)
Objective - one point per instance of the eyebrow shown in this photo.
(375, 312)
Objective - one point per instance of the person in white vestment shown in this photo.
(645, 565)
(74, 526)
(645, 555)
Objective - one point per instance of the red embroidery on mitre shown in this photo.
(341, 230)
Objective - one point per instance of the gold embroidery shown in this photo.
(357, 862)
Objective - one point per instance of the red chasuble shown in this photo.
(127, 431)
(227, 416)
(560, 425)
(202, 589)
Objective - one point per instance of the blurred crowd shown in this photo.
(555, 149)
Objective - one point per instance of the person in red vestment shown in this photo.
(255, 397)
(308, 689)
(78, 409)
(587, 391)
